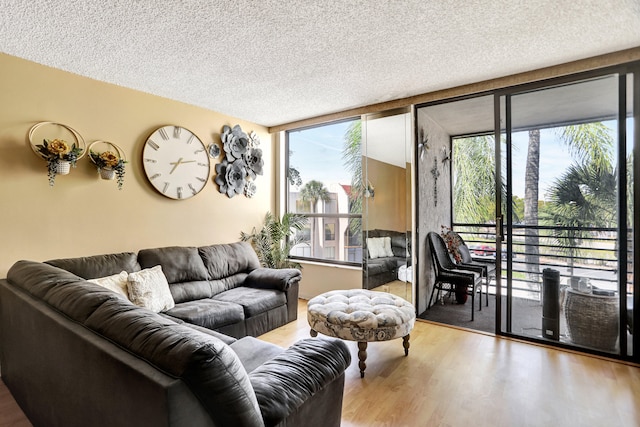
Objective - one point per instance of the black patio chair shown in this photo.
(448, 273)
(487, 269)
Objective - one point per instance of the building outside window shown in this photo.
(324, 170)
(329, 231)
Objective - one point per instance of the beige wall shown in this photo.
(83, 215)
(319, 278)
(388, 209)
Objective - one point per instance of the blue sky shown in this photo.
(321, 158)
(554, 159)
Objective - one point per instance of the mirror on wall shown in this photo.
(386, 227)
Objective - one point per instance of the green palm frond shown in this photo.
(584, 196)
(352, 158)
(591, 143)
(274, 240)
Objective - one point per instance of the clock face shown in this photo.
(175, 162)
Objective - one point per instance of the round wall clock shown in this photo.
(175, 162)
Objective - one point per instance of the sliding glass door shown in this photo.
(566, 239)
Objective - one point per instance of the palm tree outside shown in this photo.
(352, 158)
(474, 188)
(531, 187)
(591, 145)
(583, 197)
(313, 192)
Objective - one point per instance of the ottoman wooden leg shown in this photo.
(313, 333)
(405, 344)
(362, 356)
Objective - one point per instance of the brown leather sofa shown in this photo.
(74, 353)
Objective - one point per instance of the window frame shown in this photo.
(319, 216)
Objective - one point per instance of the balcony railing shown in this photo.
(576, 252)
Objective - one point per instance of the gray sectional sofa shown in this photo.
(380, 270)
(74, 353)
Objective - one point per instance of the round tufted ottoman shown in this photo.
(363, 316)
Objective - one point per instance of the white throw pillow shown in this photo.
(374, 245)
(386, 246)
(117, 283)
(149, 288)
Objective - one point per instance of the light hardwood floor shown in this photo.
(397, 287)
(460, 378)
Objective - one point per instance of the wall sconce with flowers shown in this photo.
(110, 163)
(59, 154)
(369, 190)
(243, 161)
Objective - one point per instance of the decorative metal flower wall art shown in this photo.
(242, 162)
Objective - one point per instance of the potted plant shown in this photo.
(60, 156)
(274, 240)
(109, 165)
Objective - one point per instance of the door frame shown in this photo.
(504, 228)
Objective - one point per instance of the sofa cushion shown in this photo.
(225, 260)
(253, 301)
(80, 300)
(148, 288)
(37, 278)
(179, 264)
(222, 337)
(208, 313)
(227, 283)
(189, 291)
(253, 352)
(283, 383)
(271, 278)
(117, 283)
(210, 368)
(399, 245)
(90, 267)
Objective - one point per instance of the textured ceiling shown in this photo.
(277, 61)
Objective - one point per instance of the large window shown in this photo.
(324, 182)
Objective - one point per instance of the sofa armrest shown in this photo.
(272, 278)
(284, 383)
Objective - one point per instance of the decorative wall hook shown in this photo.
(446, 155)
(423, 144)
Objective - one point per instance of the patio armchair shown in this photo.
(449, 277)
(487, 269)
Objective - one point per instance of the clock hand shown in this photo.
(179, 162)
(175, 165)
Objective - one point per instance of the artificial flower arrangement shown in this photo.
(242, 163)
(453, 242)
(59, 156)
(108, 164)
